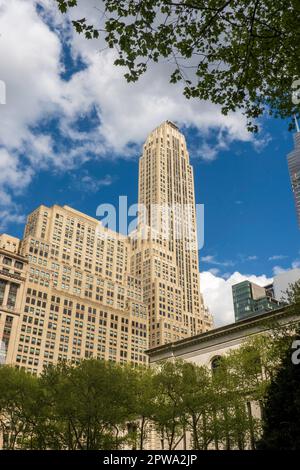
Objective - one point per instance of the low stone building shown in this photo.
(205, 350)
(205, 347)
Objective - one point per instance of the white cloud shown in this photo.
(91, 184)
(13, 176)
(8, 217)
(279, 269)
(128, 112)
(276, 257)
(12, 173)
(212, 260)
(218, 295)
(214, 271)
(31, 67)
(261, 143)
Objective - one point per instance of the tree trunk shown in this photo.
(162, 440)
(227, 438)
(195, 433)
(250, 417)
(142, 433)
(204, 430)
(216, 437)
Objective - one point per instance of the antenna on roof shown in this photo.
(296, 122)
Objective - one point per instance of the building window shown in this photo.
(2, 290)
(12, 295)
(18, 265)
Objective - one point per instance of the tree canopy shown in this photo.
(104, 405)
(239, 54)
(281, 424)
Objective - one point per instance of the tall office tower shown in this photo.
(164, 246)
(294, 170)
(80, 299)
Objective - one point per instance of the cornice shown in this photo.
(259, 321)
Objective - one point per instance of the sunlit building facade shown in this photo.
(79, 298)
(164, 248)
(13, 270)
(73, 289)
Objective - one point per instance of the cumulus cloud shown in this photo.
(210, 259)
(30, 67)
(276, 257)
(13, 177)
(32, 47)
(10, 216)
(279, 269)
(88, 183)
(217, 293)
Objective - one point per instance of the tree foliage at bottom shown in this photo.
(281, 420)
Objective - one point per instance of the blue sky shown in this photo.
(72, 130)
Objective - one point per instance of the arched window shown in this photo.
(215, 363)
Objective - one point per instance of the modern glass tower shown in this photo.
(249, 299)
(294, 170)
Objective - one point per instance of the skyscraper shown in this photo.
(294, 170)
(73, 289)
(167, 255)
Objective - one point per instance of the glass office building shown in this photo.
(250, 299)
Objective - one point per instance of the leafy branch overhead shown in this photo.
(240, 54)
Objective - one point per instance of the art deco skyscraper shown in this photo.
(72, 289)
(164, 248)
(294, 170)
